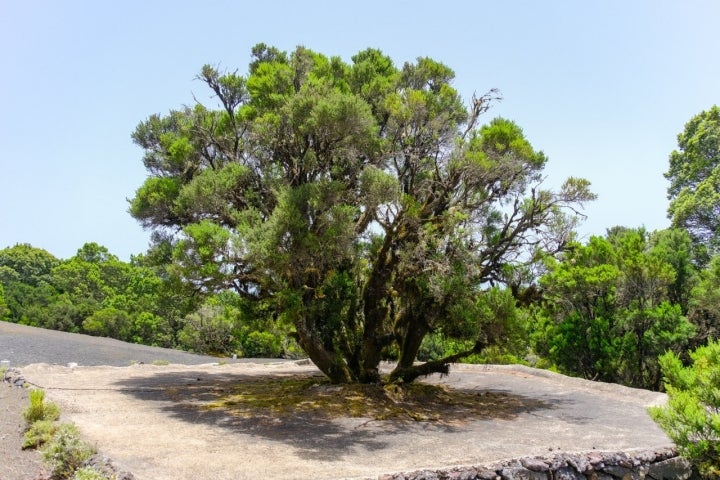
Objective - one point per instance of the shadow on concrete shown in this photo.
(197, 397)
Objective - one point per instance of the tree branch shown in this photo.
(442, 366)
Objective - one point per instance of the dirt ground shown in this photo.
(15, 464)
(152, 421)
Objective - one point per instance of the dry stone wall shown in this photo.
(663, 464)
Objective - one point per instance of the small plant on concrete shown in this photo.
(39, 409)
(65, 453)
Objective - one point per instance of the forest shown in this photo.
(359, 212)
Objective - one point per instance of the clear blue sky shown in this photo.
(602, 87)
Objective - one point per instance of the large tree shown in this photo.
(694, 176)
(364, 199)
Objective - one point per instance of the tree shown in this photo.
(364, 199)
(4, 311)
(25, 274)
(25, 263)
(674, 247)
(576, 327)
(694, 176)
(109, 322)
(608, 312)
(704, 311)
(691, 417)
(209, 331)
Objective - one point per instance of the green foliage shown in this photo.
(674, 246)
(210, 330)
(261, 345)
(93, 292)
(694, 176)
(40, 417)
(65, 453)
(90, 473)
(108, 322)
(25, 280)
(4, 310)
(608, 313)
(62, 449)
(361, 203)
(151, 329)
(23, 261)
(39, 409)
(704, 309)
(691, 417)
(39, 433)
(436, 346)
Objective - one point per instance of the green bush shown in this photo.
(261, 344)
(65, 452)
(691, 417)
(39, 433)
(210, 330)
(291, 349)
(39, 409)
(436, 346)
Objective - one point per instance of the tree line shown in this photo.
(139, 301)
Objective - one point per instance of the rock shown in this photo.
(621, 472)
(663, 464)
(568, 473)
(595, 458)
(522, 473)
(487, 474)
(418, 475)
(674, 468)
(105, 466)
(14, 378)
(534, 464)
(580, 463)
(599, 476)
(462, 474)
(646, 457)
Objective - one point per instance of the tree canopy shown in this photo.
(694, 176)
(365, 200)
(610, 306)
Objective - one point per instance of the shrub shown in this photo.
(65, 452)
(291, 349)
(209, 331)
(39, 433)
(89, 473)
(108, 322)
(691, 417)
(261, 344)
(39, 409)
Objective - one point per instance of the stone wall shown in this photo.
(662, 464)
